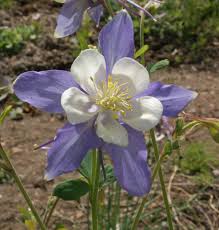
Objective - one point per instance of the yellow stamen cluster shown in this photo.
(113, 96)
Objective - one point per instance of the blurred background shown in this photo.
(187, 34)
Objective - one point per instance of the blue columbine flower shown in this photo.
(71, 15)
(108, 101)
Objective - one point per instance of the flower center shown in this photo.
(113, 96)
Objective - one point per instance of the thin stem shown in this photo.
(162, 183)
(138, 214)
(142, 36)
(128, 214)
(101, 215)
(109, 205)
(157, 168)
(5, 113)
(95, 187)
(102, 166)
(22, 189)
(51, 210)
(142, 204)
(144, 200)
(4, 166)
(88, 213)
(116, 206)
(108, 7)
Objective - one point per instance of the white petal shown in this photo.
(78, 106)
(88, 69)
(110, 130)
(146, 113)
(131, 73)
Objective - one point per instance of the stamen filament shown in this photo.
(113, 96)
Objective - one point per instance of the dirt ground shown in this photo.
(19, 137)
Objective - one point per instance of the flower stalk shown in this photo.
(162, 183)
(108, 6)
(142, 36)
(51, 210)
(95, 188)
(144, 200)
(116, 206)
(21, 188)
(157, 168)
(4, 166)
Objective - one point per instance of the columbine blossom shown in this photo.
(109, 101)
(71, 15)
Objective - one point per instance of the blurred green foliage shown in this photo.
(185, 30)
(5, 177)
(27, 218)
(83, 35)
(12, 40)
(198, 162)
(6, 4)
(185, 27)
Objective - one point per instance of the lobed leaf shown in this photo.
(159, 65)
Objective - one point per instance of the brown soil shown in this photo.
(18, 138)
(206, 83)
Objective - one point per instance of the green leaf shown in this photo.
(141, 51)
(5, 113)
(30, 224)
(179, 127)
(214, 133)
(86, 166)
(110, 177)
(86, 171)
(159, 65)
(175, 145)
(25, 213)
(190, 126)
(71, 189)
(213, 127)
(168, 149)
(82, 39)
(83, 34)
(60, 1)
(60, 227)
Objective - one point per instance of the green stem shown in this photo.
(142, 36)
(109, 205)
(22, 189)
(116, 206)
(190, 125)
(88, 212)
(108, 7)
(162, 183)
(5, 113)
(157, 168)
(47, 219)
(95, 186)
(156, 151)
(4, 166)
(144, 200)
